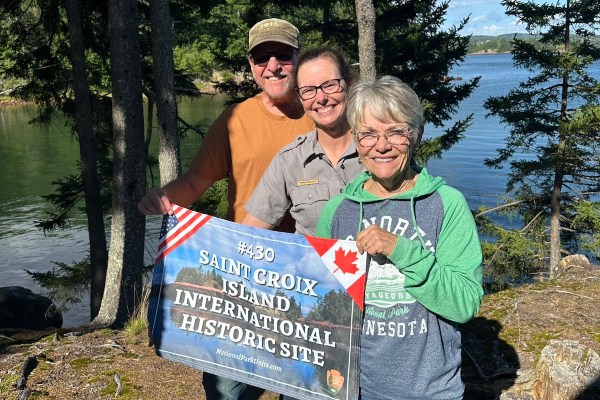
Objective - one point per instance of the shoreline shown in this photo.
(14, 103)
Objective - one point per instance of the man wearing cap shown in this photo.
(241, 143)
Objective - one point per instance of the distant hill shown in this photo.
(508, 36)
(486, 44)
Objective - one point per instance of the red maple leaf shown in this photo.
(346, 261)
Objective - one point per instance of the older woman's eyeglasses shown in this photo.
(328, 87)
(393, 136)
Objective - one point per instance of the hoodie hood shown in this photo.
(426, 184)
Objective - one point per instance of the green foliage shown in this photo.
(64, 283)
(80, 363)
(412, 46)
(8, 383)
(508, 259)
(198, 276)
(511, 255)
(195, 60)
(552, 149)
(335, 307)
(492, 45)
(295, 311)
(126, 389)
(481, 44)
(214, 202)
(587, 222)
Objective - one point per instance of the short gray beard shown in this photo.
(289, 91)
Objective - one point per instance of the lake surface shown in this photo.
(462, 166)
(33, 156)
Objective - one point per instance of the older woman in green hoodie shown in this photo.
(424, 264)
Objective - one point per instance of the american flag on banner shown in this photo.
(177, 228)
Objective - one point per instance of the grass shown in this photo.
(138, 322)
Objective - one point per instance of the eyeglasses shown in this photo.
(393, 136)
(262, 59)
(328, 87)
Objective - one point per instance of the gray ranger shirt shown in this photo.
(301, 178)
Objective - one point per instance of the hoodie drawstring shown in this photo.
(414, 221)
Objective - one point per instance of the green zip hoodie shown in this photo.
(414, 298)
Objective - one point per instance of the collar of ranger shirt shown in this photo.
(310, 148)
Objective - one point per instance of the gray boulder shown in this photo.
(20, 308)
(567, 370)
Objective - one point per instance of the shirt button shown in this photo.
(310, 196)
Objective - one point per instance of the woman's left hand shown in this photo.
(375, 240)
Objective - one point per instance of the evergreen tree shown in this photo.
(59, 53)
(412, 46)
(45, 46)
(554, 120)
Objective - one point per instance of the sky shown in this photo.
(487, 17)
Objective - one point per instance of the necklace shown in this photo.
(378, 190)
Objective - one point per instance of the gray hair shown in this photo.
(387, 99)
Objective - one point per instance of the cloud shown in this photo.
(490, 17)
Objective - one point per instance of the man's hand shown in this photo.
(155, 202)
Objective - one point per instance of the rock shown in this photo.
(20, 308)
(574, 260)
(522, 387)
(567, 370)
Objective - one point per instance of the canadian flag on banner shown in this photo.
(344, 262)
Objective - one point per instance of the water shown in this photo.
(33, 156)
(462, 166)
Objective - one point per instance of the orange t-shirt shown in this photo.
(240, 144)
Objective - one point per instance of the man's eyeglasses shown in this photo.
(262, 59)
(393, 136)
(328, 87)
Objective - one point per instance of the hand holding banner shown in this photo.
(274, 310)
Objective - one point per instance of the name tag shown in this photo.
(308, 182)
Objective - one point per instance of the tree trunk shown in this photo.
(87, 152)
(123, 288)
(149, 119)
(365, 18)
(554, 269)
(559, 173)
(169, 158)
(326, 31)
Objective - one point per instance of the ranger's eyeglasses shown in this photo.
(328, 87)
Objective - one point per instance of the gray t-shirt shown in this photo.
(301, 178)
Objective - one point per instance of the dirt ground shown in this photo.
(508, 334)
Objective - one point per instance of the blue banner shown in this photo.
(279, 311)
